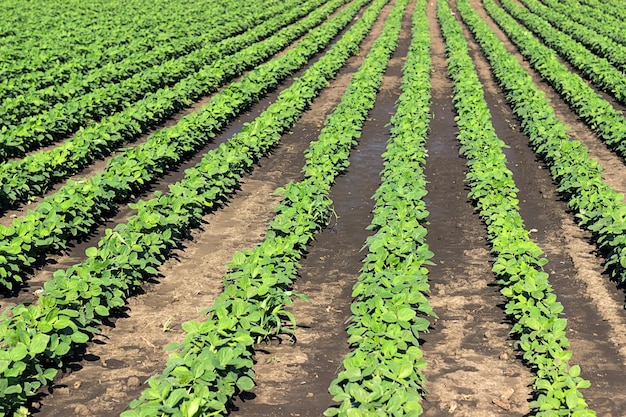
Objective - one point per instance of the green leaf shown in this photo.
(102, 311)
(175, 396)
(13, 389)
(406, 314)
(79, 337)
(571, 399)
(191, 408)
(19, 352)
(245, 383)
(574, 371)
(39, 343)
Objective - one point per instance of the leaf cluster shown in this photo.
(608, 123)
(611, 9)
(597, 69)
(600, 45)
(37, 173)
(66, 117)
(140, 56)
(594, 18)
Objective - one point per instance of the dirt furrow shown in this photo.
(472, 367)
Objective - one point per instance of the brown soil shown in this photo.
(471, 361)
(473, 368)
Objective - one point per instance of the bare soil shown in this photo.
(473, 367)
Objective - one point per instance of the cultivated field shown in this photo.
(312, 207)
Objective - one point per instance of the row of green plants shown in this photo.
(37, 60)
(22, 179)
(79, 206)
(601, 117)
(599, 44)
(597, 206)
(518, 261)
(258, 287)
(65, 118)
(382, 373)
(22, 23)
(33, 101)
(35, 339)
(591, 17)
(597, 69)
(615, 9)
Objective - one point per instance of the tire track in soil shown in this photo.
(596, 320)
(76, 250)
(293, 378)
(471, 361)
(129, 350)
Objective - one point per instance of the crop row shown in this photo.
(597, 206)
(37, 173)
(592, 18)
(40, 60)
(599, 44)
(597, 69)
(35, 339)
(25, 23)
(259, 284)
(46, 59)
(165, 54)
(65, 118)
(382, 373)
(78, 206)
(608, 123)
(518, 261)
(615, 9)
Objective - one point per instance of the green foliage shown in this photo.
(382, 373)
(597, 69)
(518, 261)
(216, 65)
(600, 45)
(75, 209)
(593, 109)
(215, 360)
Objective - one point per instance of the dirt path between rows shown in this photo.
(470, 357)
